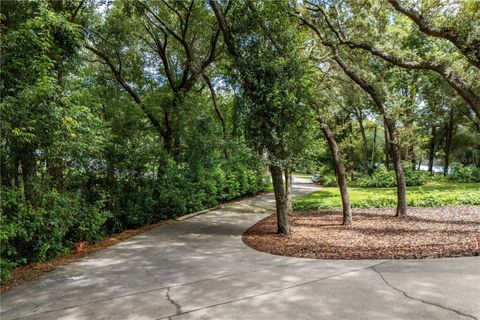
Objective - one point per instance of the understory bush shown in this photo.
(460, 173)
(45, 227)
(53, 221)
(329, 180)
(383, 178)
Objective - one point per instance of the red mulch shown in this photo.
(375, 234)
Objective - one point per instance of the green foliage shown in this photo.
(383, 178)
(45, 228)
(430, 195)
(460, 173)
(275, 76)
(54, 221)
(380, 178)
(328, 180)
(5, 267)
(415, 177)
(82, 157)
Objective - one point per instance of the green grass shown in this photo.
(430, 195)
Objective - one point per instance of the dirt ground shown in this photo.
(375, 234)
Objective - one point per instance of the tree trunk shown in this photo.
(387, 147)
(390, 125)
(431, 150)
(351, 152)
(399, 173)
(110, 178)
(19, 176)
(373, 146)
(28, 172)
(168, 143)
(55, 169)
(364, 144)
(448, 142)
(281, 199)
(339, 170)
(288, 189)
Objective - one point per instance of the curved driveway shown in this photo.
(200, 269)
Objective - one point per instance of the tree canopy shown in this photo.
(120, 113)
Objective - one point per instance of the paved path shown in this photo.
(200, 269)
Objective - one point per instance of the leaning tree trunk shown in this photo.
(218, 112)
(281, 199)
(339, 170)
(389, 123)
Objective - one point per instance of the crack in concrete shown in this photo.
(176, 304)
(144, 267)
(273, 291)
(152, 290)
(418, 299)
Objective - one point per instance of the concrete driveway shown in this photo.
(200, 269)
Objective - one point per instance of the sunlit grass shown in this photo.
(430, 195)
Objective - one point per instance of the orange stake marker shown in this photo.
(79, 248)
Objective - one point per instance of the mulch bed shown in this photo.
(31, 271)
(375, 234)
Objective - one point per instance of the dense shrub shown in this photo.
(54, 221)
(415, 177)
(383, 178)
(329, 180)
(380, 178)
(461, 173)
(47, 226)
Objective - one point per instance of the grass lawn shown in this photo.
(431, 194)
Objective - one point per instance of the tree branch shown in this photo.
(469, 48)
(128, 88)
(453, 80)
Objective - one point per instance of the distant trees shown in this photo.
(39, 45)
(340, 29)
(181, 44)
